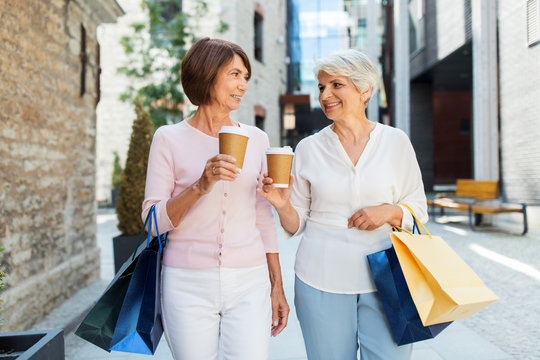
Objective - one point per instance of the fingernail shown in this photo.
(238, 170)
(275, 323)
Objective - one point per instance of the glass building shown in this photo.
(316, 28)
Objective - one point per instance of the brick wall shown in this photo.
(47, 151)
(519, 79)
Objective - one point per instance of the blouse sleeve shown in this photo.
(264, 217)
(301, 191)
(411, 186)
(159, 182)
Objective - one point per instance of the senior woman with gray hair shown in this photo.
(347, 182)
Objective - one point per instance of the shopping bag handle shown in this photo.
(149, 236)
(415, 226)
(148, 221)
(416, 219)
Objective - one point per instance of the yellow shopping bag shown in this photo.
(443, 287)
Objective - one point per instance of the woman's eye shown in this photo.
(337, 85)
(321, 88)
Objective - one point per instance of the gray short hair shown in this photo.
(355, 65)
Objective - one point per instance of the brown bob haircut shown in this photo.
(202, 63)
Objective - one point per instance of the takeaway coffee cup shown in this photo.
(233, 141)
(279, 161)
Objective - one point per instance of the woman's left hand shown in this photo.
(280, 310)
(372, 217)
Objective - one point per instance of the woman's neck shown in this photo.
(353, 130)
(209, 121)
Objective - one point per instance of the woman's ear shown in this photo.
(366, 94)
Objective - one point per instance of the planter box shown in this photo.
(32, 345)
(123, 247)
(114, 196)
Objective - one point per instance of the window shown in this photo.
(260, 115)
(533, 22)
(417, 11)
(168, 9)
(165, 10)
(84, 60)
(258, 30)
(259, 122)
(98, 73)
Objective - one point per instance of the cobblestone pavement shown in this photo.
(508, 329)
(510, 266)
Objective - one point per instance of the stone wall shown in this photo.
(519, 106)
(47, 151)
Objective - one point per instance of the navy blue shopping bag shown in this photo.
(397, 301)
(99, 324)
(139, 327)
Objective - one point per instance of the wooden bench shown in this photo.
(477, 197)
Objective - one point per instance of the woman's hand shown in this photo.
(220, 167)
(280, 310)
(278, 197)
(372, 217)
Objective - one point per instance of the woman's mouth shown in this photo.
(331, 105)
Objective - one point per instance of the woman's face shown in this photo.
(338, 96)
(230, 85)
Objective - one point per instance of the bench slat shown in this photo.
(478, 189)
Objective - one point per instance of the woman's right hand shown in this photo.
(278, 197)
(220, 167)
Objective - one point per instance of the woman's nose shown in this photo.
(243, 85)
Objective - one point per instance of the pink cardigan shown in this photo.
(232, 226)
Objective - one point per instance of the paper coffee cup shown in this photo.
(233, 141)
(279, 160)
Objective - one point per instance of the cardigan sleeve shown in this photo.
(159, 181)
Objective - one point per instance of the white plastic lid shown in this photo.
(285, 150)
(233, 130)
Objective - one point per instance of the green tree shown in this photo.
(131, 193)
(155, 60)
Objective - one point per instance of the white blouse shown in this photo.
(329, 189)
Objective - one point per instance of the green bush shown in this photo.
(131, 191)
(116, 177)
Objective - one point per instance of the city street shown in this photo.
(508, 264)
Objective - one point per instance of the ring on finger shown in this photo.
(214, 170)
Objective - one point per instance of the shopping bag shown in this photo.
(99, 324)
(444, 288)
(397, 302)
(139, 327)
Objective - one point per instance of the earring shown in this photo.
(363, 98)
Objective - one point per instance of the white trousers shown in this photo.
(202, 306)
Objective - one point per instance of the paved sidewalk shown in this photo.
(505, 330)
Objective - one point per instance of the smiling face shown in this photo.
(230, 85)
(338, 96)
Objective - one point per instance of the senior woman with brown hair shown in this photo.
(349, 180)
(221, 278)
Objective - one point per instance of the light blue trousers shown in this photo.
(335, 325)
